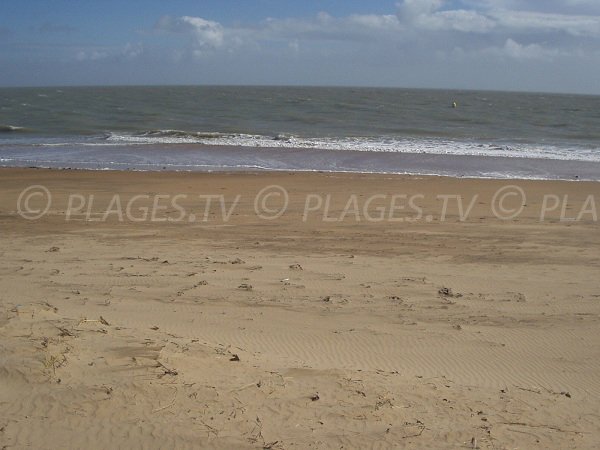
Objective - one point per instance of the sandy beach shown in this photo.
(282, 310)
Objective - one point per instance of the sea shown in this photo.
(454, 133)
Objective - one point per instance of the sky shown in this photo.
(522, 45)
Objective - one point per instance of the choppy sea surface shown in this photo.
(208, 128)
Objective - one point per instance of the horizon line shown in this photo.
(314, 86)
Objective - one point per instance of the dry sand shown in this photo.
(284, 333)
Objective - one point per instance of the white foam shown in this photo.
(365, 144)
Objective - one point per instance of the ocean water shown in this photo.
(487, 134)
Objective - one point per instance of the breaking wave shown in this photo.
(10, 129)
(363, 144)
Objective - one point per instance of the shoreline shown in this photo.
(230, 171)
(207, 158)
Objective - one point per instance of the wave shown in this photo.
(436, 146)
(11, 129)
(182, 134)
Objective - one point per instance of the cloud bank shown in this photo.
(427, 21)
(491, 44)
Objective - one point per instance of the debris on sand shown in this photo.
(64, 332)
(447, 292)
(166, 370)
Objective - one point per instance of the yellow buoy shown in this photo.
(454, 105)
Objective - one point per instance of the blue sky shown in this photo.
(552, 45)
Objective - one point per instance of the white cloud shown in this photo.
(413, 16)
(420, 27)
(207, 34)
(366, 27)
(91, 55)
(128, 51)
(132, 50)
(510, 49)
(532, 51)
(372, 21)
(576, 25)
(498, 15)
(457, 20)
